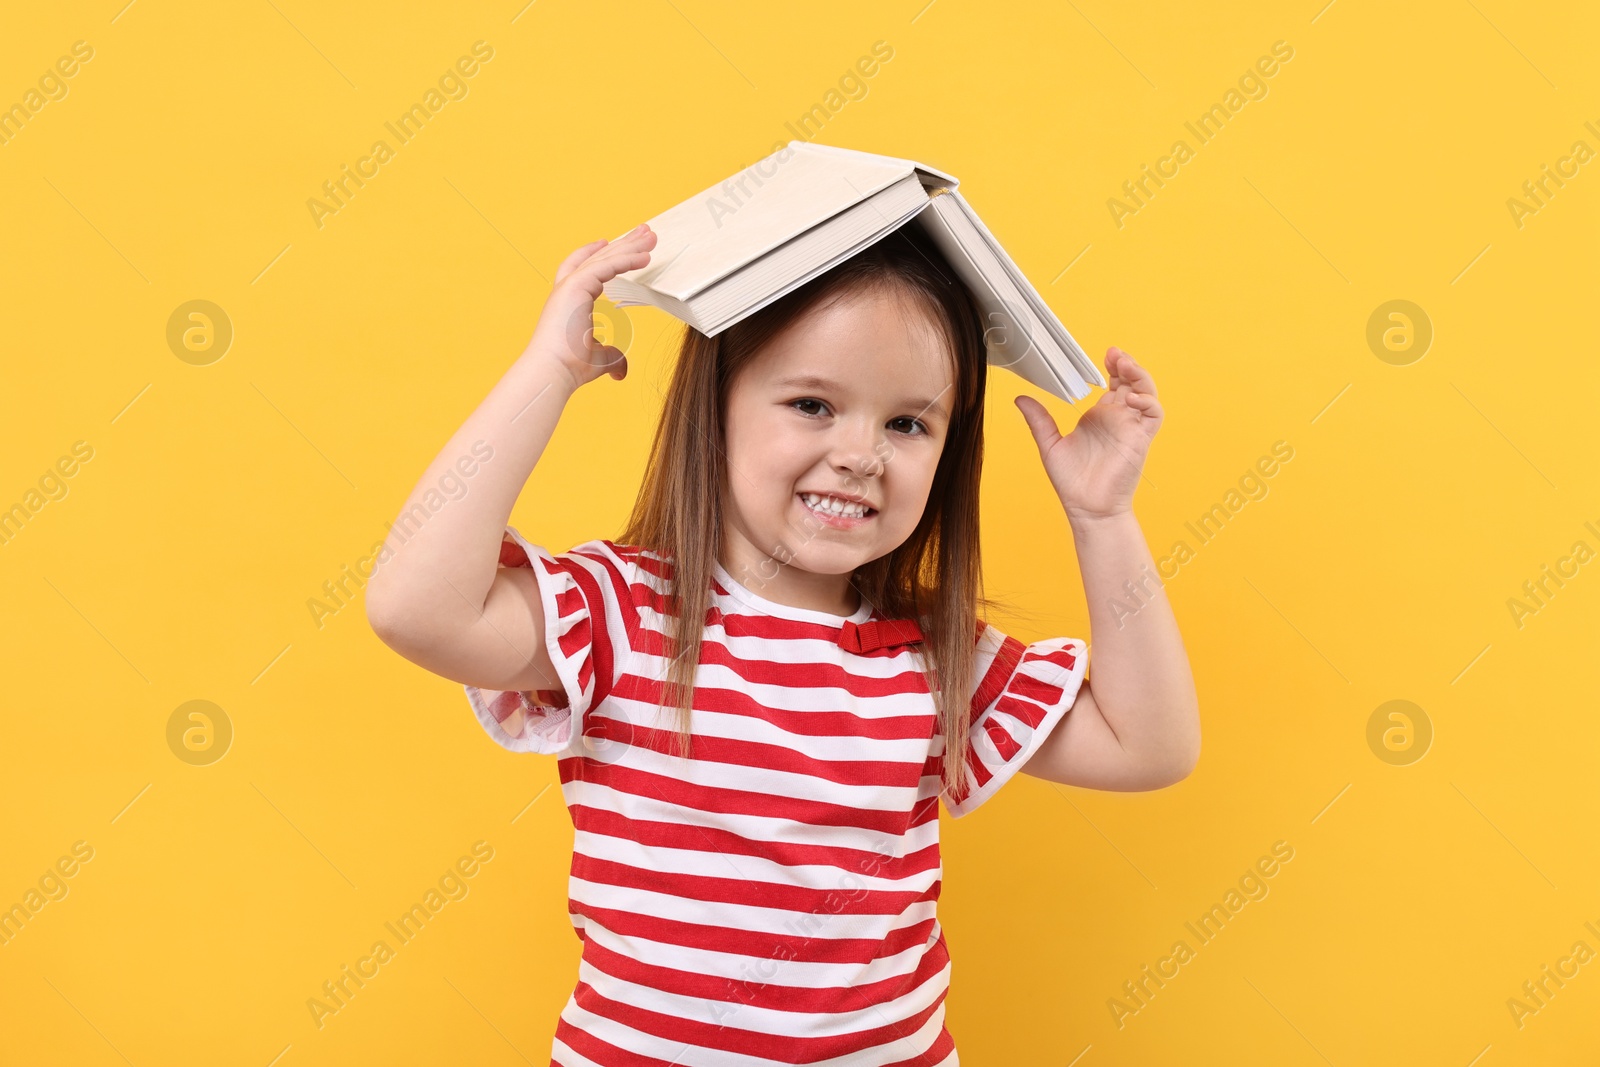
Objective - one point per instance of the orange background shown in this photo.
(221, 491)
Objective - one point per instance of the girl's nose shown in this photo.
(855, 451)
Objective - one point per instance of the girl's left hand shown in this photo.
(1096, 467)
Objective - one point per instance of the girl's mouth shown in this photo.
(834, 512)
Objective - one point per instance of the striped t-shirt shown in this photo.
(772, 899)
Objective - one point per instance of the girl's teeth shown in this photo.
(834, 506)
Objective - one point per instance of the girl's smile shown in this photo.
(840, 511)
(834, 433)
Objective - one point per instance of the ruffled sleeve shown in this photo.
(589, 622)
(1023, 692)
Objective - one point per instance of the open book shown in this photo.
(734, 248)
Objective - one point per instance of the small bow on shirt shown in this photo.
(879, 633)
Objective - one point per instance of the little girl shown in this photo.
(755, 867)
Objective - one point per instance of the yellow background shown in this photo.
(179, 563)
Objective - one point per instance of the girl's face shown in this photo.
(833, 434)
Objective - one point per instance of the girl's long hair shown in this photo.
(935, 577)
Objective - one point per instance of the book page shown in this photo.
(722, 228)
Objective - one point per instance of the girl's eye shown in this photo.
(916, 427)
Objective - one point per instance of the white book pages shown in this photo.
(1080, 360)
(757, 284)
(810, 254)
(728, 225)
(1014, 337)
(736, 247)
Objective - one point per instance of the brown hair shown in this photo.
(934, 577)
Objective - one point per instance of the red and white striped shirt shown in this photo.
(772, 899)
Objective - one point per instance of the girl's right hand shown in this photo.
(565, 331)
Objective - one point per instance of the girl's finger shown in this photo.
(634, 237)
(603, 270)
(1136, 375)
(1112, 367)
(570, 264)
(1145, 404)
(611, 359)
(630, 251)
(1045, 431)
(596, 251)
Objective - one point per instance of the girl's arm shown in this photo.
(440, 598)
(1138, 725)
